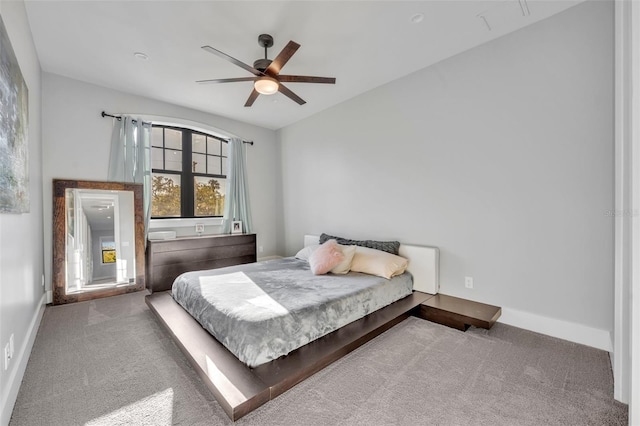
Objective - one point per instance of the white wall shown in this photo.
(76, 146)
(21, 258)
(502, 156)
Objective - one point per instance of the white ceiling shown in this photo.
(364, 44)
(98, 207)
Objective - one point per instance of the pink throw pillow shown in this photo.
(325, 258)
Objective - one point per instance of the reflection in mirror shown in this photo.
(98, 240)
(99, 244)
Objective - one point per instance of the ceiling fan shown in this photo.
(267, 78)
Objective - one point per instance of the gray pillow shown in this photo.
(388, 246)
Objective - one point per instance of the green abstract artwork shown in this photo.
(14, 122)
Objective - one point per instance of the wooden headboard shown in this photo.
(423, 264)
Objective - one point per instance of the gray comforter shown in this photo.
(262, 311)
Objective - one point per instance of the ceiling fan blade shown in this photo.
(288, 93)
(227, 80)
(252, 98)
(233, 60)
(306, 79)
(282, 58)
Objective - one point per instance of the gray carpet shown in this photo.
(109, 362)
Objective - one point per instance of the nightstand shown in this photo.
(458, 313)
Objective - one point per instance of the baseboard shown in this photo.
(260, 259)
(17, 373)
(566, 330)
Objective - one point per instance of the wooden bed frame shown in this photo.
(240, 389)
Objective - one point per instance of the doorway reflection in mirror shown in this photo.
(100, 242)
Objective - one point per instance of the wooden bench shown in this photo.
(458, 313)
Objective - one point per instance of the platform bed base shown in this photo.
(240, 389)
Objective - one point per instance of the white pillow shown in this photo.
(379, 263)
(345, 266)
(306, 252)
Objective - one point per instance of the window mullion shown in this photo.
(187, 188)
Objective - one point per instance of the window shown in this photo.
(188, 173)
(108, 249)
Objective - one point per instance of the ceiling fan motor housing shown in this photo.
(262, 64)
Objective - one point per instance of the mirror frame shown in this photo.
(59, 287)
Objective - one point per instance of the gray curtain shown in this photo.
(130, 159)
(236, 201)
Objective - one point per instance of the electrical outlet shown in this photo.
(260, 249)
(42, 280)
(199, 228)
(11, 347)
(468, 282)
(7, 356)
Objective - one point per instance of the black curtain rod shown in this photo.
(117, 117)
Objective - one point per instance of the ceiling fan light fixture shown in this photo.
(266, 72)
(266, 85)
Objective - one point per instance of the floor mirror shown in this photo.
(98, 240)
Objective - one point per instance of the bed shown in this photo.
(243, 368)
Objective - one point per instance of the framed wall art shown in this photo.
(14, 122)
